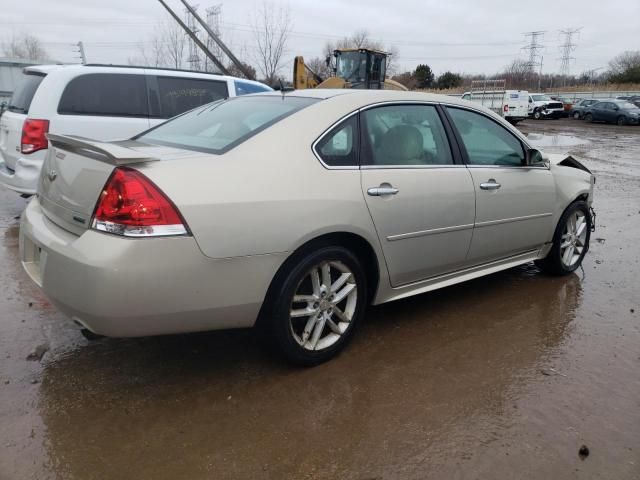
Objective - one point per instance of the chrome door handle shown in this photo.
(381, 191)
(490, 185)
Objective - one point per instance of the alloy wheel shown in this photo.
(323, 305)
(574, 239)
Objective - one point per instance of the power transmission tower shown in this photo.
(82, 57)
(214, 14)
(566, 49)
(194, 58)
(534, 49)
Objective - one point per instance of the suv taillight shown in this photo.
(131, 205)
(33, 135)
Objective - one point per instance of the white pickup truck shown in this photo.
(542, 106)
(512, 105)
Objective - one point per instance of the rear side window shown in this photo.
(24, 92)
(220, 126)
(339, 148)
(245, 88)
(106, 94)
(178, 95)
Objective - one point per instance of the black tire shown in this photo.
(537, 114)
(588, 118)
(276, 319)
(576, 115)
(621, 120)
(553, 262)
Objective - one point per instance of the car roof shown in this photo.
(95, 67)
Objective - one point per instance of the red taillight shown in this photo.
(131, 205)
(506, 108)
(33, 135)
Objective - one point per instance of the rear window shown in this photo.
(178, 95)
(24, 92)
(105, 94)
(220, 126)
(245, 88)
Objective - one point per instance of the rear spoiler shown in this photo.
(108, 152)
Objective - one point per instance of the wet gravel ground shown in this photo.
(504, 377)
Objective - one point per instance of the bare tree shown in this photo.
(165, 48)
(175, 43)
(25, 46)
(271, 26)
(517, 74)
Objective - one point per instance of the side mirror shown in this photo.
(535, 158)
(615, 107)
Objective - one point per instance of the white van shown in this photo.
(103, 102)
(512, 105)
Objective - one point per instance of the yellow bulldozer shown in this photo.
(353, 68)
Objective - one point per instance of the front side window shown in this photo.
(178, 94)
(107, 94)
(486, 142)
(339, 148)
(222, 125)
(245, 88)
(541, 98)
(404, 135)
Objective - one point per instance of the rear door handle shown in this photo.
(381, 191)
(490, 185)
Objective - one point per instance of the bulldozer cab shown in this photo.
(361, 67)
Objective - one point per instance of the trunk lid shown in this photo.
(74, 173)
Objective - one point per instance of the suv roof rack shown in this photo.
(149, 68)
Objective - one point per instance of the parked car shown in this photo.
(512, 105)
(294, 211)
(567, 104)
(101, 101)
(621, 112)
(542, 106)
(578, 109)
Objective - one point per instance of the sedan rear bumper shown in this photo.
(125, 287)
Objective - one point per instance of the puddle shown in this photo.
(542, 140)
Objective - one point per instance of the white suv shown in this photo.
(103, 102)
(542, 106)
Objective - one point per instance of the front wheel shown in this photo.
(588, 118)
(537, 114)
(622, 120)
(314, 311)
(570, 241)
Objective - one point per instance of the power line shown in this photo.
(566, 49)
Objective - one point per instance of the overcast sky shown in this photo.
(463, 35)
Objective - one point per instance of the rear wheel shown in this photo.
(570, 241)
(313, 312)
(588, 118)
(622, 120)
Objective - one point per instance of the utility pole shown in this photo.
(566, 48)
(196, 40)
(540, 72)
(534, 47)
(83, 57)
(220, 43)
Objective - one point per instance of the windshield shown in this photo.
(220, 126)
(352, 66)
(24, 92)
(541, 98)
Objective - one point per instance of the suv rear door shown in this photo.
(13, 118)
(104, 106)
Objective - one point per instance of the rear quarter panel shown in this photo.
(269, 194)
